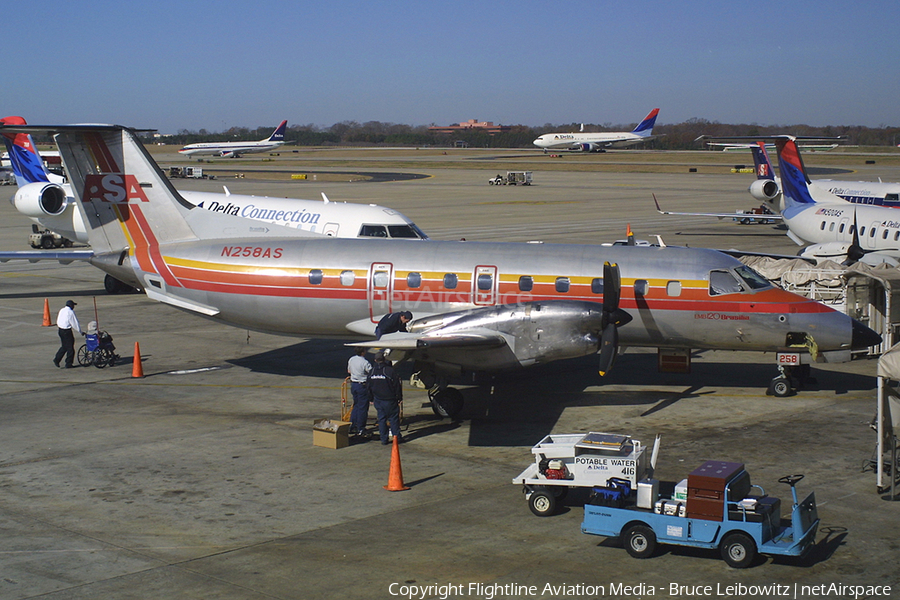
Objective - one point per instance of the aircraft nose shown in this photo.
(863, 337)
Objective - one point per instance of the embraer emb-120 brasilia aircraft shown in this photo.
(478, 306)
(236, 149)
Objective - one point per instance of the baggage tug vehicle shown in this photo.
(718, 511)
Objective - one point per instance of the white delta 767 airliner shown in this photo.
(236, 149)
(599, 142)
(477, 306)
(47, 200)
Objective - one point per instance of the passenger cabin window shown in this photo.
(723, 282)
(841, 228)
(315, 277)
(872, 232)
(597, 285)
(347, 278)
(831, 227)
(450, 281)
(414, 280)
(485, 282)
(673, 288)
(822, 226)
(526, 283)
(885, 234)
(562, 285)
(373, 231)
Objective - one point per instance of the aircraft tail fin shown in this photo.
(645, 127)
(794, 180)
(128, 201)
(278, 134)
(26, 162)
(761, 161)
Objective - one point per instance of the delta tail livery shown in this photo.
(599, 142)
(478, 306)
(237, 149)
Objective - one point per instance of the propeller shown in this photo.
(613, 317)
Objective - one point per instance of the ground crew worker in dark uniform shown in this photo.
(387, 393)
(392, 322)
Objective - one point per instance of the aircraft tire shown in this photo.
(113, 286)
(447, 402)
(781, 387)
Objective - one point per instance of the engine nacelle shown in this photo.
(764, 189)
(38, 200)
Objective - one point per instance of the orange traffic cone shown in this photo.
(137, 370)
(46, 322)
(395, 477)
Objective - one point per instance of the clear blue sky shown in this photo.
(173, 65)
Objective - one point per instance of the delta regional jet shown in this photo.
(478, 306)
(237, 149)
(599, 142)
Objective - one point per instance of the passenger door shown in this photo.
(380, 290)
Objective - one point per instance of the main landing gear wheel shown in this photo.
(447, 402)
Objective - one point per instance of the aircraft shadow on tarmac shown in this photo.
(521, 407)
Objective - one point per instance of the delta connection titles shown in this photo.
(489, 591)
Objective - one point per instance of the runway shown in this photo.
(200, 479)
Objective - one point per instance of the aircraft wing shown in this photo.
(63, 256)
(470, 338)
(734, 215)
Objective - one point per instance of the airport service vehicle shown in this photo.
(44, 238)
(512, 178)
(589, 460)
(718, 511)
(188, 173)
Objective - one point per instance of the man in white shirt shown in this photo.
(68, 325)
(359, 368)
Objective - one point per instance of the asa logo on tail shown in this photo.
(116, 188)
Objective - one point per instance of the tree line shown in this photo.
(680, 136)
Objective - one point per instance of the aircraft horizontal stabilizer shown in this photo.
(195, 307)
(63, 256)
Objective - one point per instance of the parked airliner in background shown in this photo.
(478, 306)
(598, 142)
(837, 229)
(767, 187)
(817, 217)
(237, 149)
(47, 200)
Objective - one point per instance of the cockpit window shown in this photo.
(737, 280)
(402, 231)
(405, 231)
(752, 279)
(373, 231)
(723, 282)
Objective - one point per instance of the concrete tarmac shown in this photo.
(200, 480)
